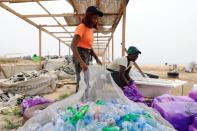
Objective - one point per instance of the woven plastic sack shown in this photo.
(97, 84)
(53, 64)
(45, 83)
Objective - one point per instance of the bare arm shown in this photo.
(74, 44)
(95, 56)
(127, 74)
(122, 75)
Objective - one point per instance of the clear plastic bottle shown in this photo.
(88, 119)
(59, 125)
(33, 127)
(128, 126)
(95, 126)
(151, 122)
(69, 127)
(47, 127)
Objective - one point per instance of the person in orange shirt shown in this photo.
(83, 40)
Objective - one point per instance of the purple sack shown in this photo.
(178, 110)
(27, 103)
(193, 95)
(132, 92)
(192, 128)
(170, 98)
(194, 122)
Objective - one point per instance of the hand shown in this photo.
(98, 61)
(83, 66)
(124, 87)
(131, 81)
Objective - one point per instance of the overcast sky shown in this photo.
(164, 31)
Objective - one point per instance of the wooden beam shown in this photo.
(108, 53)
(123, 28)
(106, 58)
(58, 15)
(103, 39)
(67, 40)
(99, 48)
(21, 1)
(99, 38)
(136, 65)
(58, 25)
(64, 37)
(62, 32)
(103, 46)
(2, 70)
(97, 3)
(100, 43)
(71, 32)
(28, 21)
(52, 17)
(59, 48)
(73, 3)
(117, 20)
(112, 46)
(95, 41)
(40, 46)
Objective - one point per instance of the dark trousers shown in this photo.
(85, 55)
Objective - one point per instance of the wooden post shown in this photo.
(108, 55)
(59, 48)
(97, 43)
(142, 73)
(103, 59)
(40, 46)
(112, 46)
(1, 70)
(123, 28)
(69, 51)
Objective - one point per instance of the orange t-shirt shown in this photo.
(87, 36)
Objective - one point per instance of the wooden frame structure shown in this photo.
(103, 37)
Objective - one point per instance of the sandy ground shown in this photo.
(13, 119)
(69, 87)
(161, 71)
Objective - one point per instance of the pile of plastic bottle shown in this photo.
(111, 115)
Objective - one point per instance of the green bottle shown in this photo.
(111, 128)
(100, 102)
(74, 111)
(133, 117)
(79, 115)
(147, 115)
